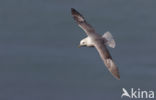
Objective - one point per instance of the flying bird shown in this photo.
(98, 41)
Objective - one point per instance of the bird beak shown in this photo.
(79, 46)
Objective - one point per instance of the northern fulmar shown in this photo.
(98, 41)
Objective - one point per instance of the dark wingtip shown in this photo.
(115, 73)
(72, 9)
(74, 12)
(77, 16)
(118, 77)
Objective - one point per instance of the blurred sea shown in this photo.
(39, 58)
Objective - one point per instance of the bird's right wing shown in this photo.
(82, 22)
(106, 57)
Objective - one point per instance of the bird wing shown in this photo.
(82, 22)
(106, 57)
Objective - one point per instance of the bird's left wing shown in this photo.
(82, 22)
(106, 57)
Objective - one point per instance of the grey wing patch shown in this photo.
(106, 57)
(82, 22)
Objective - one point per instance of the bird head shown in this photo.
(83, 43)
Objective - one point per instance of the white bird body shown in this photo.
(87, 42)
(107, 38)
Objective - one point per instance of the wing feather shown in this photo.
(82, 22)
(106, 57)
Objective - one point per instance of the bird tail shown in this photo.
(109, 39)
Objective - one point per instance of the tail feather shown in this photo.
(110, 40)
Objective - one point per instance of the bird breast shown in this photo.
(90, 42)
